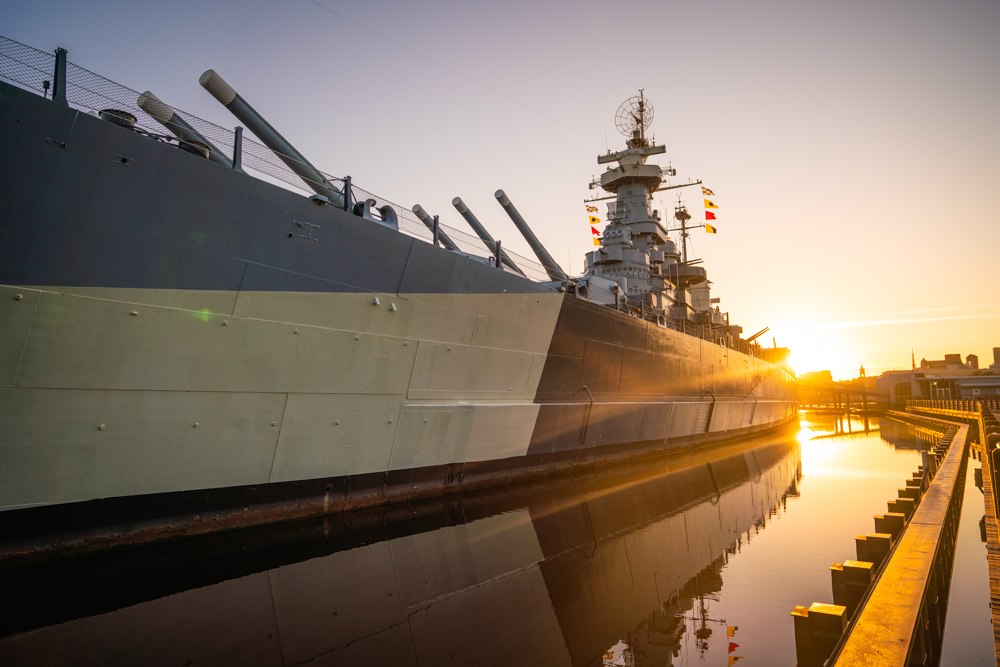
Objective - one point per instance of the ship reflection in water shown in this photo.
(645, 566)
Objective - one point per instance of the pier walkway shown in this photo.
(902, 621)
(890, 605)
(982, 417)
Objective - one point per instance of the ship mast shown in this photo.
(682, 216)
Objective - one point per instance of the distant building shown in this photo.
(813, 397)
(942, 379)
(952, 363)
(817, 376)
(995, 366)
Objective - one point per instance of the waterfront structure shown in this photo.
(944, 380)
(951, 364)
(186, 348)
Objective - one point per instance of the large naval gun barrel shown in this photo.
(551, 268)
(180, 128)
(427, 220)
(482, 233)
(230, 99)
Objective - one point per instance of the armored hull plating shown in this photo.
(185, 348)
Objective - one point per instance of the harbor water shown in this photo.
(687, 560)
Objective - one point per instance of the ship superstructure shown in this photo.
(638, 266)
(186, 348)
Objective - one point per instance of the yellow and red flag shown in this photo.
(593, 230)
(709, 204)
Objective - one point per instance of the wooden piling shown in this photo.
(817, 630)
(890, 523)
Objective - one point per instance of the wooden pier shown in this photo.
(891, 603)
(902, 621)
(982, 416)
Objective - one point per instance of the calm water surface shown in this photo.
(648, 566)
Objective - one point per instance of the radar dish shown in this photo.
(635, 113)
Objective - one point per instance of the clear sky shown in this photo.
(852, 146)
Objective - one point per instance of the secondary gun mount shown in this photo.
(229, 98)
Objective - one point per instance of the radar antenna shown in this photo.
(633, 118)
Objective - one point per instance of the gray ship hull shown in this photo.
(184, 348)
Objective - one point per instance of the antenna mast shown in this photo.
(682, 216)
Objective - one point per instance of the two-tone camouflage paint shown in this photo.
(178, 355)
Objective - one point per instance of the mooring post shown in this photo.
(803, 644)
(839, 584)
(850, 580)
(890, 523)
(818, 628)
(858, 578)
(873, 547)
(902, 505)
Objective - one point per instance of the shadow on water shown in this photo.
(585, 570)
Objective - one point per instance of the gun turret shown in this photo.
(429, 222)
(230, 99)
(481, 232)
(179, 127)
(555, 272)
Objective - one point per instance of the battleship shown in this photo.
(188, 346)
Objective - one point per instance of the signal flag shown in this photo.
(709, 215)
(709, 204)
(709, 229)
(731, 629)
(597, 242)
(733, 659)
(591, 209)
(593, 230)
(732, 646)
(594, 220)
(705, 191)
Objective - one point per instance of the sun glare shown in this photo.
(815, 348)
